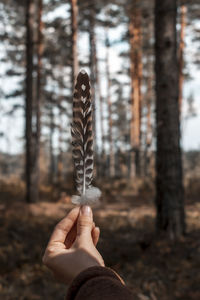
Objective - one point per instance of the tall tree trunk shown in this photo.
(148, 133)
(149, 104)
(37, 108)
(136, 76)
(181, 52)
(74, 33)
(110, 123)
(60, 137)
(98, 89)
(169, 186)
(95, 83)
(29, 97)
(33, 100)
(60, 156)
(92, 64)
(51, 150)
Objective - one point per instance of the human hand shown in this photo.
(72, 246)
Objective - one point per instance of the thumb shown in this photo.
(85, 222)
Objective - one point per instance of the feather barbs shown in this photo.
(82, 142)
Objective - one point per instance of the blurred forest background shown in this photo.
(143, 61)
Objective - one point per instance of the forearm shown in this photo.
(98, 283)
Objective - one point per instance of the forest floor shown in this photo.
(153, 268)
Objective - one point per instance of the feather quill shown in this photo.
(82, 142)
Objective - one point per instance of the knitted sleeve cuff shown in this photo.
(88, 274)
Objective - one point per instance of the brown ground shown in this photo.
(153, 268)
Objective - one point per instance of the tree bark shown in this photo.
(29, 97)
(74, 33)
(169, 186)
(33, 99)
(37, 133)
(136, 77)
(181, 53)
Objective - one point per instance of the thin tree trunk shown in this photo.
(98, 89)
(37, 112)
(60, 156)
(149, 103)
(136, 74)
(74, 33)
(29, 96)
(95, 82)
(60, 137)
(52, 158)
(148, 134)
(110, 123)
(181, 53)
(169, 186)
(92, 64)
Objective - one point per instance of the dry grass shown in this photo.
(153, 268)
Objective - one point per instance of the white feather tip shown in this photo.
(91, 196)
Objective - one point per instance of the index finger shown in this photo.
(64, 226)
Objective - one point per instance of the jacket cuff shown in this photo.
(86, 275)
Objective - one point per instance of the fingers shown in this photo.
(85, 222)
(71, 236)
(79, 222)
(95, 235)
(64, 226)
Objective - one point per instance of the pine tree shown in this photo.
(33, 97)
(136, 78)
(29, 98)
(74, 32)
(110, 121)
(181, 53)
(169, 186)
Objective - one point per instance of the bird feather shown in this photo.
(82, 142)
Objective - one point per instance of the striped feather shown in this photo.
(82, 142)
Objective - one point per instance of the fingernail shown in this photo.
(86, 210)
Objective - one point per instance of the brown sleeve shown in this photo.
(98, 283)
